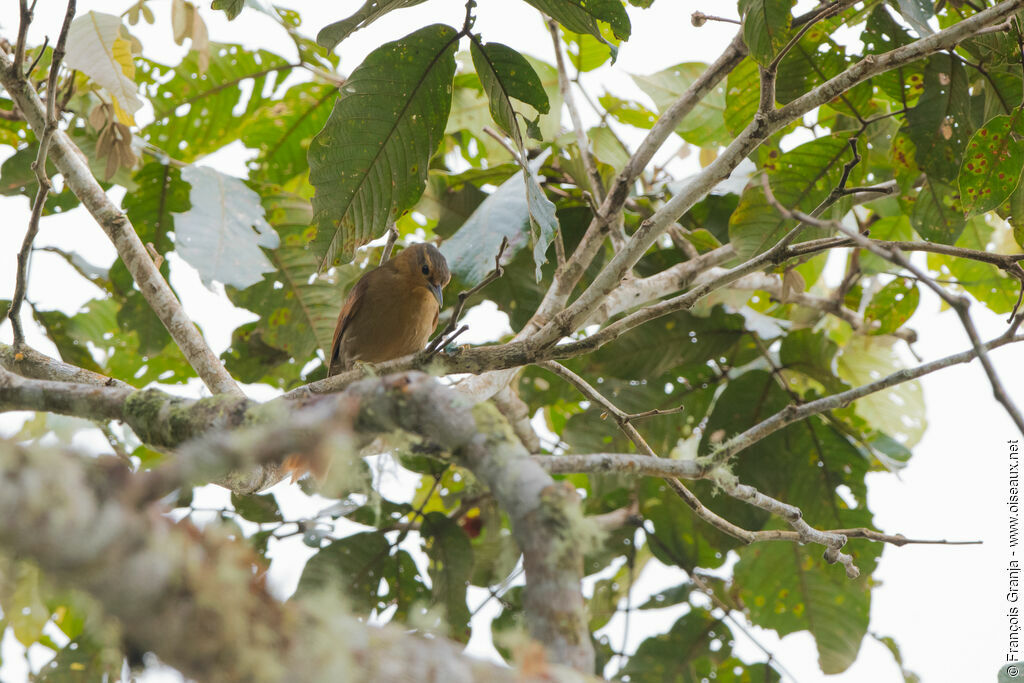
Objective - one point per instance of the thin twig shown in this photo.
(439, 341)
(39, 167)
(960, 304)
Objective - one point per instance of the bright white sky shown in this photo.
(946, 606)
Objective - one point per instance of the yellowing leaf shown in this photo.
(95, 47)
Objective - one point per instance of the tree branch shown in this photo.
(94, 538)
(71, 162)
(763, 125)
(39, 168)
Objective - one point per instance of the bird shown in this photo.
(392, 310)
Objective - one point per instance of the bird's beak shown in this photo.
(436, 289)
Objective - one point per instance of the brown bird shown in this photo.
(392, 310)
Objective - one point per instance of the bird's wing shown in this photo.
(355, 297)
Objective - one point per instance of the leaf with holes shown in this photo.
(369, 163)
(992, 164)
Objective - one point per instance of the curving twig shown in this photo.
(440, 341)
(39, 165)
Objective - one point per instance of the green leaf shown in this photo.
(937, 215)
(940, 124)
(353, 565)
(372, 10)
(992, 164)
(257, 508)
(893, 305)
(581, 16)
(628, 112)
(543, 222)
(742, 94)
(813, 354)
(668, 597)
(698, 647)
(506, 75)
(451, 561)
(882, 33)
(766, 27)
(369, 163)
(505, 213)
(221, 234)
(586, 52)
(987, 283)
(789, 588)
(705, 125)
(917, 13)
(230, 7)
(196, 112)
(282, 130)
(899, 410)
(801, 178)
(298, 307)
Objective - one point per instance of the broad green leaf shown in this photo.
(628, 112)
(370, 161)
(257, 508)
(94, 339)
(297, 311)
(471, 112)
(372, 10)
(196, 112)
(917, 13)
(506, 75)
(586, 52)
(889, 228)
(582, 16)
(505, 213)
(705, 125)
(742, 94)
(992, 164)
(698, 647)
(17, 177)
(940, 124)
(451, 561)
(96, 48)
(221, 234)
(800, 179)
(987, 283)
(813, 354)
(283, 129)
(892, 305)
(882, 33)
(938, 215)
(789, 588)
(766, 27)
(899, 410)
(814, 59)
(353, 565)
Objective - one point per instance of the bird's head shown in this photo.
(424, 263)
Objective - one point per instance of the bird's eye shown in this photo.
(426, 270)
